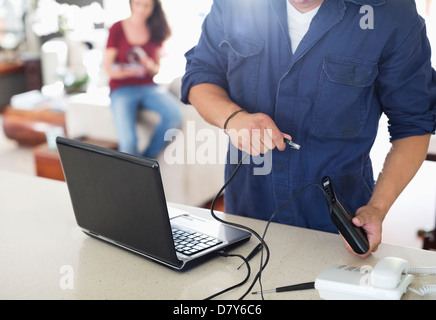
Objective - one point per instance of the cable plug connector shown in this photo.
(292, 144)
(223, 253)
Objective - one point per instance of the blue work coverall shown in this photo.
(329, 95)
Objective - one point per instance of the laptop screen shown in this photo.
(119, 197)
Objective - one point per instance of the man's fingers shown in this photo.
(257, 145)
(259, 134)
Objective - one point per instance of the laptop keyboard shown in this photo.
(191, 242)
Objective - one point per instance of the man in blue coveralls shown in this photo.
(319, 72)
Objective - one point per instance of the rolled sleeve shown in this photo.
(407, 87)
(205, 63)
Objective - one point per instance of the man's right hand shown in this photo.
(255, 133)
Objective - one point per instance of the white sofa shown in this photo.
(189, 182)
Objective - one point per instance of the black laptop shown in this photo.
(119, 198)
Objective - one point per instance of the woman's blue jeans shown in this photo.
(126, 103)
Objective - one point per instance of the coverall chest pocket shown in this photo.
(243, 63)
(343, 95)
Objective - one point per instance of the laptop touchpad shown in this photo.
(188, 221)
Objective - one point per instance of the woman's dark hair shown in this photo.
(158, 24)
(160, 30)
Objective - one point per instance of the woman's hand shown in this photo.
(150, 66)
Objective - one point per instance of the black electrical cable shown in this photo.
(272, 217)
(260, 238)
(264, 245)
(226, 254)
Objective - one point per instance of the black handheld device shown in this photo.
(354, 235)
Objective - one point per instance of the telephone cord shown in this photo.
(424, 290)
(423, 271)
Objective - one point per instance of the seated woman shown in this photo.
(131, 61)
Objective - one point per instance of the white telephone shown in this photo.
(388, 280)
